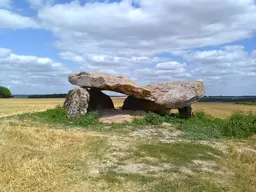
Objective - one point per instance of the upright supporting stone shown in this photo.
(185, 111)
(99, 100)
(77, 102)
(132, 103)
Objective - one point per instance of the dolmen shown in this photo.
(159, 97)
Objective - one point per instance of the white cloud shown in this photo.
(115, 65)
(13, 20)
(106, 36)
(5, 3)
(118, 38)
(225, 56)
(230, 69)
(229, 60)
(171, 65)
(108, 60)
(166, 71)
(119, 29)
(31, 74)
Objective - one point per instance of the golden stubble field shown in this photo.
(10, 107)
(37, 156)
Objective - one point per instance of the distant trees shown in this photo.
(228, 99)
(5, 92)
(47, 96)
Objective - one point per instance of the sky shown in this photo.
(150, 41)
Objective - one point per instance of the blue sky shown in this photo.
(43, 41)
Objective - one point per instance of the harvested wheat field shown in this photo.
(44, 152)
(10, 107)
(17, 106)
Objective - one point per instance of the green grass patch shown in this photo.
(246, 103)
(150, 183)
(190, 184)
(176, 153)
(58, 115)
(239, 125)
(200, 126)
(99, 148)
(116, 177)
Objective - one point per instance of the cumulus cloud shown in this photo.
(227, 70)
(133, 37)
(107, 36)
(166, 71)
(230, 69)
(107, 60)
(31, 74)
(11, 20)
(156, 26)
(227, 61)
(111, 64)
(171, 65)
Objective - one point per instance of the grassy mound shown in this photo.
(200, 126)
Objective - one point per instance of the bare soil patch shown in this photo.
(119, 115)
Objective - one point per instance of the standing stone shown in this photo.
(99, 100)
(185, 112)
(77, 102)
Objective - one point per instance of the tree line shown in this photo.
(228, 99)
(47, 96)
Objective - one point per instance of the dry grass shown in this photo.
(44, 159)
(242, 161)
(10, 107)
(37, 157)
(222, 110)
(118, 101)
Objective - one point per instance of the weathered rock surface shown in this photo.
(132, 103)
(185, 111)
(77, 102)
(99, 100)
(175, 95)
(159, 97)
(103, 81)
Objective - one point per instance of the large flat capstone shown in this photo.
(171, 95)
(175, 95)
(103, 81)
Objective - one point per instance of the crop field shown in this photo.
(10, 107)
(41, 151)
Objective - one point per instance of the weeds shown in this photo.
(176, 153)
(58, 115)
(246, 103)
(240, 125)
(200, 126)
